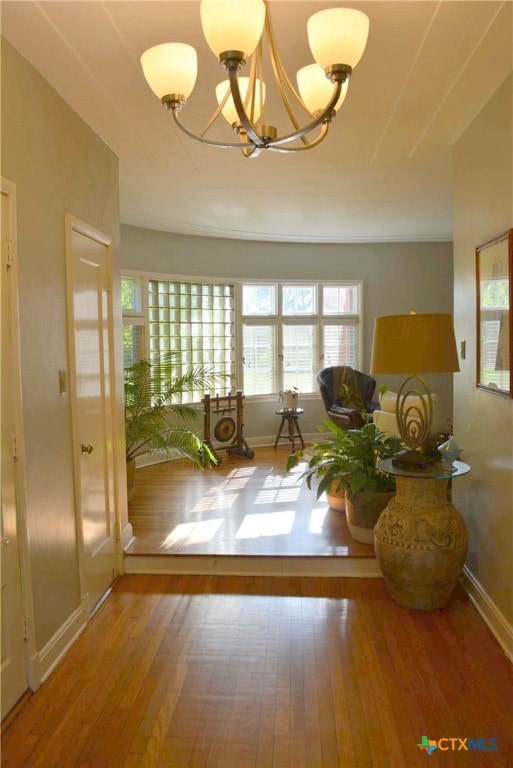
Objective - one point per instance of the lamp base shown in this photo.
(413, 461)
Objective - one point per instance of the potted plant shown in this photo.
(289, 397)
(155, 421)
(347, 460)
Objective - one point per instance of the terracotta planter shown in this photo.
(363, 511)
(336, 497)
(130, 479)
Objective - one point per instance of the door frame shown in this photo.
(8, 188)
(74, 224)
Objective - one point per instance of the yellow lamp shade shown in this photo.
(229, 111)
(414, 343)
(316, 90)
(338, 36)
(232, 25)
(170, 68)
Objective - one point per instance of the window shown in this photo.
(133, 320)
(264, 337)
(290, 331)
(195, 320)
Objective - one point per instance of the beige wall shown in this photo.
(397, 277)
(483, 425)
(58, 165)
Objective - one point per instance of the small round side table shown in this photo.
(290, 417)
(420, 538)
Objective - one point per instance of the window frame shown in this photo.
(318, 320)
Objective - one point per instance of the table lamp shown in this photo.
(414, 344)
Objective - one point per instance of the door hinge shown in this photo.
(117, 530)
(108, 282)
(15, 446)
(26, 628)
(9, 252)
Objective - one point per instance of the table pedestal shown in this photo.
(421, 543)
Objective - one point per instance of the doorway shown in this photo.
(14, 681)
(90, 322)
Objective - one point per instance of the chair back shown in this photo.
(328, 378)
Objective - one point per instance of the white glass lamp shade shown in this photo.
(232, 25)
(229, 111)
(316, 90)
(170, 68)
(338, 36)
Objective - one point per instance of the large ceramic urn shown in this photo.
(421, 542)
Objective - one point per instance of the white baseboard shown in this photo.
(499, 626)
(42, 664)
(127, 536)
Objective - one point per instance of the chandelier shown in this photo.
(235, 30)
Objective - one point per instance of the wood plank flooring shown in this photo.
(232, 672)
(241, 507)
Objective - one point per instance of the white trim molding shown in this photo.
(42, 663)
(492, 616)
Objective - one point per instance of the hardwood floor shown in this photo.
(212, 671)
(225, 672)
(241, 507)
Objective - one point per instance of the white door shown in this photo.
(90, 319)
(13, 667)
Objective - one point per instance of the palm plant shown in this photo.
(153, 418)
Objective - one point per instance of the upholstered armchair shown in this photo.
(347, 395)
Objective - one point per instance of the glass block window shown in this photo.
(195, 320)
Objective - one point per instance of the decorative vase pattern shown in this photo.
(421, 543)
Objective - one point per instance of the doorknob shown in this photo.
(87, 449)
(5, 542)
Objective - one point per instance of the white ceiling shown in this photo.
(383, 173)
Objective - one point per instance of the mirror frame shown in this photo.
(494, 258)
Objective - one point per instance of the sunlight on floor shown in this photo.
(241, 472)
(317, 519)
(215, 501)
(192, 533)
(281, 494)
(267, 524)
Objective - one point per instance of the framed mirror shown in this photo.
(494, 268)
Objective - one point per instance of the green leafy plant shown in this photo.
(288, 391)
(347, 458)
(154, 420)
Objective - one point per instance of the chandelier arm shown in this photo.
(309, 145)
(281, 75)
(201, 139)
(324, 116)
(239, 106)
(215, 114)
